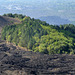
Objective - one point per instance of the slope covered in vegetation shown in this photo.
(4, 20)
(39, 36)
(19, 16)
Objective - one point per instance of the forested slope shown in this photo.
(38, 36)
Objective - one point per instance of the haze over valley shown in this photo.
(62, 9)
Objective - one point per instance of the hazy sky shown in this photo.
(37, 8)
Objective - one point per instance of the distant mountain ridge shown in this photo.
(55, 20)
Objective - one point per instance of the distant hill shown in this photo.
(38, 36)
(55, 20)
(4, 20)
(73, 22)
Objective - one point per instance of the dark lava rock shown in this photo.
(20, 62)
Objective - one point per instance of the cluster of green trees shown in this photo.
(39, 36)
(20, 16)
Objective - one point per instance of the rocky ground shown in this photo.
(15, 61)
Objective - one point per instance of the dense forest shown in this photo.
(38, 36)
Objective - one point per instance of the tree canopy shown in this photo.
(39, 36)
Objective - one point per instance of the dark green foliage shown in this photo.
(39, 36)
(20, 16)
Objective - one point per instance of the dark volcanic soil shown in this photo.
(19, 62)
(15, 61)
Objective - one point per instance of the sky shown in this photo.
(38, 8)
